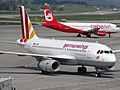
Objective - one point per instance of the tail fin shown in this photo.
(28, 32)
(49, 17)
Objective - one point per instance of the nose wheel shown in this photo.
(82, 70)
(97, 74)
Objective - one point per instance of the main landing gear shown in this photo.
(45, 72)
(82, 70)
(88, 35)
(79, 35)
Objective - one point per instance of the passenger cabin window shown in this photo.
(104, 52)
(101, 51)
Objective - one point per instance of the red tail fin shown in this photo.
(49, 17)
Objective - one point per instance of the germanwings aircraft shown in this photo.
(100, 29)
(50, 53)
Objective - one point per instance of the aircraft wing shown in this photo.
(116, 51)
(94, 30)
(67, 57)
(10, 42)
(38, 23)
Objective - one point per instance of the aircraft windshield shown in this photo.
(104, 52)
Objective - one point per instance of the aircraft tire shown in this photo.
(82, 70)
(79, 35)
(98, 74)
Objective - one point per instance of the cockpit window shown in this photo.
(98, 51)
(101, 51)
(107, 52)
(111, 52)
(104, 51)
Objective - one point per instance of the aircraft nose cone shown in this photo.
(109, 60)
(112, 60)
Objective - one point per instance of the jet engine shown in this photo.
(101, 33)
(49, 65)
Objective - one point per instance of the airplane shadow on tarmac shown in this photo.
(105, 74)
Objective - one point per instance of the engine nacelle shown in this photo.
(49, 65)
(101, 33)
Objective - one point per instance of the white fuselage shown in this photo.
(84, 53)
(107, 27)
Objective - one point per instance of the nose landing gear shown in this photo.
(97, 74)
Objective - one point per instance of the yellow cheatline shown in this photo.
(32, 34)
(29, 26)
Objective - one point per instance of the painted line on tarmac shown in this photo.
(75, 84)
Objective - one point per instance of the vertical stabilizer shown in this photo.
(28, 32)
(49, 17)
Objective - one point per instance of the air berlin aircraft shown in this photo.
(51, 54)
(100, 29)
